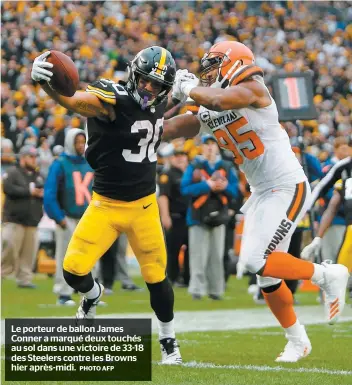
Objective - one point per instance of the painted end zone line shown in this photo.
(264, 368)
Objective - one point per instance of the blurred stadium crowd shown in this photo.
(102, 36)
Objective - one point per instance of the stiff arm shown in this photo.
(185, 125)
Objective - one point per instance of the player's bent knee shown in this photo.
(266, 282)
(76, 267)
(153, 273)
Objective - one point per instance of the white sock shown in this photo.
(94, 292)
(295, 330)
(318, 274)
(166, 329)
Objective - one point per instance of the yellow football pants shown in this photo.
(102, 223)
(345, 254)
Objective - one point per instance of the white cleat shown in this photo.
(88, 307)
(170, 352)
(296, 348)
(334, 284)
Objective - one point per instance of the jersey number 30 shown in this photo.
(251, 150)
(146, 145)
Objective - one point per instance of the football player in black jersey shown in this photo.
(339, 176)
(125, 123)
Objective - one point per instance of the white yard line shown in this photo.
(221, 320)
(265, 368)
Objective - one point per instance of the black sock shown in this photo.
(81, 283)
(162, 300)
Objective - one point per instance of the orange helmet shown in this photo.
(227, 57)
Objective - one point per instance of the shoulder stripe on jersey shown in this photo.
(331, 177)
(246, 73)
(107, 93)
(106, 99)
(161, 61)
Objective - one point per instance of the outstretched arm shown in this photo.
(81, 102)
(185, 125)
(240, 96)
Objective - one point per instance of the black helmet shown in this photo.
(157, 64)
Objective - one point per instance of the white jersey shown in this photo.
(260, 145)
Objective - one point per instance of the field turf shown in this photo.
(243, 356)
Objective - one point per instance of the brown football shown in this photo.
(65, 77)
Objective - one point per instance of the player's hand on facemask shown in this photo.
(184, 82)
(39, 72)
(312, 250)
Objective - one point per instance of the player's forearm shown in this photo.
(81, 103)
(207, 97)
(185, 125)
(325, 222)
(218, 99)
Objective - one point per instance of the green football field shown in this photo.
(226, 351)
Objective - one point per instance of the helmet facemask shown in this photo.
(210, 62)
(216, 60)
(142, 96)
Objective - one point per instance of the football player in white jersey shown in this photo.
(237, 108)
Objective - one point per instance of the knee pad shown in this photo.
(153, 273)
(162, 299)
(81, 283)
(266, 282)
(75, 266)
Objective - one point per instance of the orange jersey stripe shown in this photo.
(246, 74)
(297, 202)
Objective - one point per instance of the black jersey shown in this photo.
(341, 170)
(123, 152)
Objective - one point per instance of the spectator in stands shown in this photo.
(67, 193)
(209, 183)
(23, 187)
(8, 158)
(173, 208)
(45, 157)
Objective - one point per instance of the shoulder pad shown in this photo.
(106, 90)
(246, 72)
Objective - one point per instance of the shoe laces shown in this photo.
(87, 304)
(169, 345)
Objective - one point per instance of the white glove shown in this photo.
(184, 82)
(39, 72)
(312, 250)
